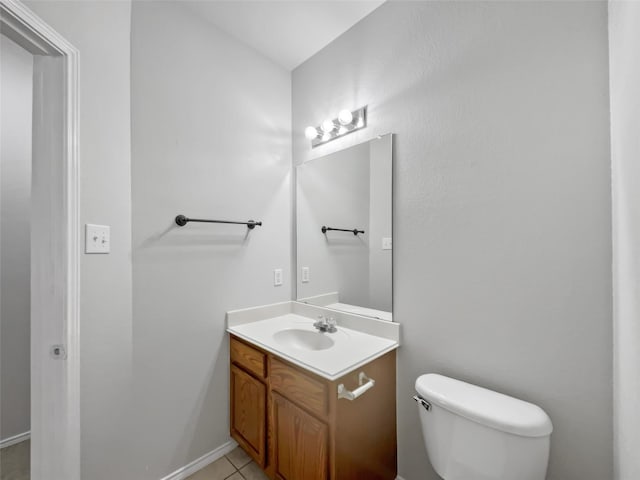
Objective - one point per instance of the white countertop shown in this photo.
(351, 348)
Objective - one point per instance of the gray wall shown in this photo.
(16, 98)
(502, 218)
(624, 35)
(334, 191)
(211, 124)
(101, 32)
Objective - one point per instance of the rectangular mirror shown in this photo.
(344, 223)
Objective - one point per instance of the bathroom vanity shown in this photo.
(310, 405)
(321, 405)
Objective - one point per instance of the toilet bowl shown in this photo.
(472, 433)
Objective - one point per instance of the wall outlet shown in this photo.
(277, 277)
(97, 239)
(305, 274)
(386, 243)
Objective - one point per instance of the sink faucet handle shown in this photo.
(332, 325)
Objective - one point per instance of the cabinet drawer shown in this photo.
(298, 387)
(249, 358)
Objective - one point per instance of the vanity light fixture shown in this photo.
(328, 126)
(345, 117)
(310, 133)
(346, 122)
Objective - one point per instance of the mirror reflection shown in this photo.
(344, 222)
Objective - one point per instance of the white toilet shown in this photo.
(472, 433)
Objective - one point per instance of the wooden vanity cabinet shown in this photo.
(248, 413)
(300, 442)
(248, 389)
(291, 422)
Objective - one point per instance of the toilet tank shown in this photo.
(472, 433)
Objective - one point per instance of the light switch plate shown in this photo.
(97, 238)
(277, 277)
(305, 274)
(386, 243)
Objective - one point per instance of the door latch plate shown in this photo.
(58, 352)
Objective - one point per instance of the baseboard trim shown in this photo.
(203, 461)
(399, 478)
(21, 437)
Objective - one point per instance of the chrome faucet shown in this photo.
(326, 325)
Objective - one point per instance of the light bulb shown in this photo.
(328, 126)
(310, 133)
(342, 130)
(345, 117)
(360, 122)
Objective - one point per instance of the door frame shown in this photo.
(55, 245)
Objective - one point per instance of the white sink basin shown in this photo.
(329, 355)
(303, 339)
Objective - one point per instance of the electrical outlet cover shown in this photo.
(97, 238)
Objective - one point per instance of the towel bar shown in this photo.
(349, 395)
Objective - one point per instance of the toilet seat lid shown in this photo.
(489, 408)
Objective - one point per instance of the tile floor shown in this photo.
(14, 461)
(236, 465)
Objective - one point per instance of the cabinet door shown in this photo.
(248, 413)
(300, 443)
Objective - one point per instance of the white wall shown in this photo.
(16, 99)
(211, 123)
(502, 216)
(624, 37)
(101, 32)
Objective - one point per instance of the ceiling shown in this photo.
(286, 31)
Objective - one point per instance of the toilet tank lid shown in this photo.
(489, 408)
